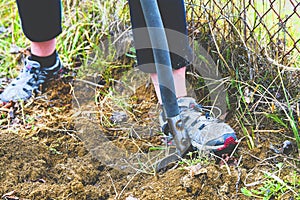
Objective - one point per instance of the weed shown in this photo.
(194, 158)
(274, 188)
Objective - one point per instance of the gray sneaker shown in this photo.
(30, 79)
(205, 131)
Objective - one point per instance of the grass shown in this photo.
(256, 93)
(274, 187)
(85, 24)
(275, 30)
(12, 35)
(266, 100)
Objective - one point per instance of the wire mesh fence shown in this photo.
(265, 27)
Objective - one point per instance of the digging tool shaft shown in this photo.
(165, 76)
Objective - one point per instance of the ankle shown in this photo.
(179, 83)
(45, 61)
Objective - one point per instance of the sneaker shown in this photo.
(206, 132)
(30, 79)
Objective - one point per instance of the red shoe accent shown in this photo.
(229, 141)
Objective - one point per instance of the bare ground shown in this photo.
(42, 155)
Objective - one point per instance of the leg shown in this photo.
(174, 19)
(41, 23)
(41, 20)
(205, 132)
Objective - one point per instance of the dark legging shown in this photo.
(41, 21)
(174, 20)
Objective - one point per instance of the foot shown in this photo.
(31, 77)
(205, 131)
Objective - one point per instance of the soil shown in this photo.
(49, 151)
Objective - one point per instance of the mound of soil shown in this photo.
(44, 156)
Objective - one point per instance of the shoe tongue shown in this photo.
(186, 102)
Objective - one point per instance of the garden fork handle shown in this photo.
(165, 76)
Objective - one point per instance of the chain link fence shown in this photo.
(261, 27)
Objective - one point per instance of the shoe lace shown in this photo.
(206, 111)
(209, 110)
(38, 76)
